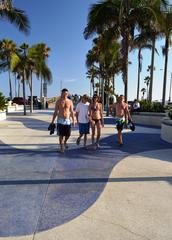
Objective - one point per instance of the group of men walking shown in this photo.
(88, 114)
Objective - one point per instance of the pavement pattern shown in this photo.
(110, 193)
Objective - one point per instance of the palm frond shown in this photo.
(17, 17)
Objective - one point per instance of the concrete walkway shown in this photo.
(113, 193)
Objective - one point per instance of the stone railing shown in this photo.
(148, 118)
(14, 107)
(166, 129)
(2, 115)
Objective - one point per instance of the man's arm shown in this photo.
(89, 113)
(128, 112)
(77, 113)
(55, 112)
(72, 113)
(111, 107)
(101, 113)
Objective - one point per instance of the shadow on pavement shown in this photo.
(44, 189)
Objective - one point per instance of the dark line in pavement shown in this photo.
(84, 180)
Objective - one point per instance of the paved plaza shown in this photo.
(113, 193)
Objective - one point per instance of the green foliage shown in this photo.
(2, 102)
(169, 110)
(148, 106)
(170, 114)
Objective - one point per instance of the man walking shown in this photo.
(121, 110)
(63, 111)
(82, 119)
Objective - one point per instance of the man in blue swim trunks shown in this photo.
(83, 119)
(63, 111)
(121, 111)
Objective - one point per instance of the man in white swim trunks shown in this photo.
(63, 111)
(121, 110)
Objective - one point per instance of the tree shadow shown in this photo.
(47, 189)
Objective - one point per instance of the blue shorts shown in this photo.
(84, 128)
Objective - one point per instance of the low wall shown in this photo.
(2, 115)
(14, 107)
(148, 118)
(166, 130)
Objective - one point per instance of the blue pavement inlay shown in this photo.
(40, 190)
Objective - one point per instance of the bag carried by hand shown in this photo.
(51, 128)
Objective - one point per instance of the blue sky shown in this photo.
(60, 24)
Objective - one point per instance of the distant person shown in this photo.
(136, 106)
(121, 109)
(82, 119)
(96, 119)
(46, 105)
(63, 111)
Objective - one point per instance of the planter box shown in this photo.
(11, 109)
(148, 118)
(166, 130)
(2, 115)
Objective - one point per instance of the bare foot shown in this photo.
(97, 145)
(78, 141)
(66, 146)
(62, 149)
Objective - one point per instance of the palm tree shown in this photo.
(97, 85)
(40, 53)
(24, 58)
(105, 55)
(92, 73)
(143, 90)
(7, 49)
(121, 18)
(152, 30)
(141, 42)
(147, 80)
(14, 15)
(167, 30)
(25, 63)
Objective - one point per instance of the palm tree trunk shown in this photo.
(41, 89)
(125, 70)
(31, 93)
(165, 70)
(15, 85)
(139, 70)
(102, 94)
(90, 89)
(24, 93)
(99, 85)
(93, 85)
(138, 84)
(152, 69)
(19, 88)
(11, 96)
(102, 86)
(113, 83)
(107, 98)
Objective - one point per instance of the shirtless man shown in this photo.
(96, 119)
(63, 111)
(121, 110)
